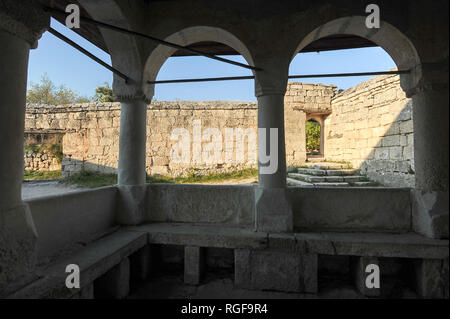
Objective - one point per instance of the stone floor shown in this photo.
(219, 285)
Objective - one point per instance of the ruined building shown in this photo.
(277, 237)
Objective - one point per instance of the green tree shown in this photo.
(104, 94)
(312, 137)
(46, 92)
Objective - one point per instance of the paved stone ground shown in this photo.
(36, 189)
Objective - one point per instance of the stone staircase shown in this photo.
(327, 174)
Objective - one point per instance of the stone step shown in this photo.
(317, 159)
(342, 172)
(327, 165)
(331, 172)
(362, 183)
(296, 182)
(312, 171)
(331, 184)
(326, 179)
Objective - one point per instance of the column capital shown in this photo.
(131, 91)
(27, 22)
(132, 98)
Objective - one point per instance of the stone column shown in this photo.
(20, 28)
(132, 149)
(431, 151)
(273, 211)
(133, 127)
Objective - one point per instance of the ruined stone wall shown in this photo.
(91, 135)
(371, 126)
(302, 99)
(41, 161)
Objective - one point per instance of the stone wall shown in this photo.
(42, 151)
(41, 161)
(91, 135)
(302, 100)
(371, 126)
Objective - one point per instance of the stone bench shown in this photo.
(289, 262)
(105, 259)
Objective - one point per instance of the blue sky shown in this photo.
(65, 65)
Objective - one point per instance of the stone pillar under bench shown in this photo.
(194, 264)
(358, 268)
(276, 270)
(115, 284)
(141, 263)
(431, 278)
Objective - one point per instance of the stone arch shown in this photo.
(123, 48)
(187, 37)
(394, 42)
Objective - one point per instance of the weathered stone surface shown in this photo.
(432, 279)
(115, 284)
(194, 264)
(359, 265)
(68, 220)
(332, 209)
(430, 211)
(18, 241)
(273, 210)
(233, 205)
(372, 133)
(141, 263)
(275, 270)
(94, 260)
(131, 204)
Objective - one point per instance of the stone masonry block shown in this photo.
(194, 264)
(273, 210)
(115, 284)
(275, 270)
(141, 263)
(431, 278)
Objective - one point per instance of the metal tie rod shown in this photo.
(89, 54)
(233, 78)
(162, 42)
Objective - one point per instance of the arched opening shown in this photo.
(368, 126)
(195, 139)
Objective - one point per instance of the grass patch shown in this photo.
(194, 177)
(95, 179)
(91, 179)
(39, 175)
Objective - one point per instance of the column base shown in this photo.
(276, 270)
(430, 211)
(18, 239)
(273, 210)
(131, 204)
